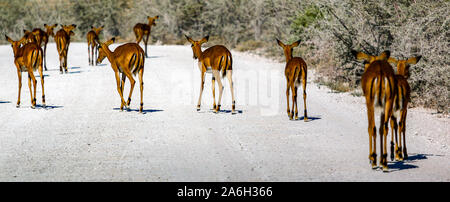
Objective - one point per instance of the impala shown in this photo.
(62, 39)
(295, 72)
(400, 108)
(127, 59)
(28, 58)
(378, 85)
(142, 31)
(92, 38)
(42, 37)
(213, 60)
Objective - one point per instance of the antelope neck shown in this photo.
(198, 52)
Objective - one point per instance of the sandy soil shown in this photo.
(82, 136)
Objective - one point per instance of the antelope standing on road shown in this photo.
(62, 39)
(92, 38)
(378, 85)
(42, 37)
(129, 60)
(400, 107)
(213, 60)
(142, 31)
(28, 58)
(295, 72)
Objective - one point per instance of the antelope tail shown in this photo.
(228, 65)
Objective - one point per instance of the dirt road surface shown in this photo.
(83, 136)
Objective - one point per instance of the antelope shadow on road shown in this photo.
(220, 111)
(73, 72)
(4, 102)
(38, 106)
(145, 111)
(156, 56)
(310, 118)
(408, 163)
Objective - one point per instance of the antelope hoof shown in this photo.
(374, 165)
(33, 107)
(233, 112)
(305, 119)
(217, 109)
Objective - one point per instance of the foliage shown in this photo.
(328, 29)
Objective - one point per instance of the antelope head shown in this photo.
(49, 29)
(403, 65)
(103, 47)
(152, 20)
(197, 45)
(15, 44)
(288, 48)
(97, 30)
(367, 59)
(28, 36)
(68, 29)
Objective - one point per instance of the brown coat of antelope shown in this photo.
(378, 85)
(42, 37)
(129, 60)
(62, 39)
(28, 58)
(400, 108)
(142, 31)
(92, 38)
(213, 60)
(28, 37)
(295, 72)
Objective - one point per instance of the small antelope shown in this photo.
(42, 37)
(400, 107)
(28, 58)
(295, 71)
(378, 85)
(142, 31)
(92, 38)
(127, 59)
(62, 39)
(213, 60)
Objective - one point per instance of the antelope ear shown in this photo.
(25, 31)
(384, 55)
(413, 60)
(189, 39)
(103, 26)
(45, 25)
(393, 61)
(74, 25)
(92, 27)
(204, 40)
(113, 39)
(280, 43)
(295, 44)
(157, 17)
(360, 55)
(8, 39)
(55, 25)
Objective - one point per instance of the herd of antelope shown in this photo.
(384, 90)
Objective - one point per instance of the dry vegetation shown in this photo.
(328, 30)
